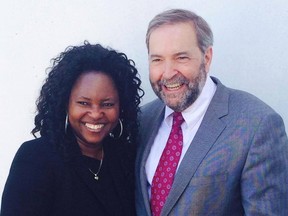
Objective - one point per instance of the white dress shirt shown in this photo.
(193, 116)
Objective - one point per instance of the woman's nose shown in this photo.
(96, 112)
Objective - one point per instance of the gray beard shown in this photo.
(190, 96)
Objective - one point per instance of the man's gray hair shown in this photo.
(203, 31)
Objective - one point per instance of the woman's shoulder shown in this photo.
(38, 148)
(36, 145)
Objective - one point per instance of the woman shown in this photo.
(87, 118)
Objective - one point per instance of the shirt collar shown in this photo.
(197, 108)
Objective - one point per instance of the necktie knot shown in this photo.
(177, 119)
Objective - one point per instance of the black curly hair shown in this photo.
(65, 70)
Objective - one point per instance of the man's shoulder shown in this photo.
(240, 100)
(155, 104)
(248, 102)
(151, 111)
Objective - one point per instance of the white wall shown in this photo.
(250, 52)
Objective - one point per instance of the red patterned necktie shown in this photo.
(166, 169)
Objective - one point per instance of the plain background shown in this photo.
(250, 49)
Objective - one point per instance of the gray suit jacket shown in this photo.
(237, 164)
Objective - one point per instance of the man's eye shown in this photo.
(156, 60)
(182, 57)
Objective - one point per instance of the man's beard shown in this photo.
(188, 97)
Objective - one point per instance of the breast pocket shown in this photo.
(205, 194)
(208, 180)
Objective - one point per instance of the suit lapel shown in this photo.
(207, 134)
(151, 124)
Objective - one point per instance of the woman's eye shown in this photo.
(108, 104)
(82, 103)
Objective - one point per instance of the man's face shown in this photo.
(178, 69)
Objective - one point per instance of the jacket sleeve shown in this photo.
(29, 187)
(265, 175)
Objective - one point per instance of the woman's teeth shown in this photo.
(94, 126)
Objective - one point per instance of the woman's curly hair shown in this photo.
(65, 70)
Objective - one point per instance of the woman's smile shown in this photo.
(94, 127)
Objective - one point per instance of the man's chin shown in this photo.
(179, 102)
(173, 103)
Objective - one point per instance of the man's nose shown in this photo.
(169, 70)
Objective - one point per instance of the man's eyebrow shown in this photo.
(154, 56)
(181, 53)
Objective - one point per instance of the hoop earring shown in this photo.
(121, 131)
(66, 123)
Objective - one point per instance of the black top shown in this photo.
(41, 183)
(105, 181)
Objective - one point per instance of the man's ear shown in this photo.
(208, 58)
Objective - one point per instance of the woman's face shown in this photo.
(93, 109)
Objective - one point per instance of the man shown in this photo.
(231, 151)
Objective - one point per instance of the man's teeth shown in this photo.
(94, 126)
(173, 86)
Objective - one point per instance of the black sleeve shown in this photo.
(29, 187)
